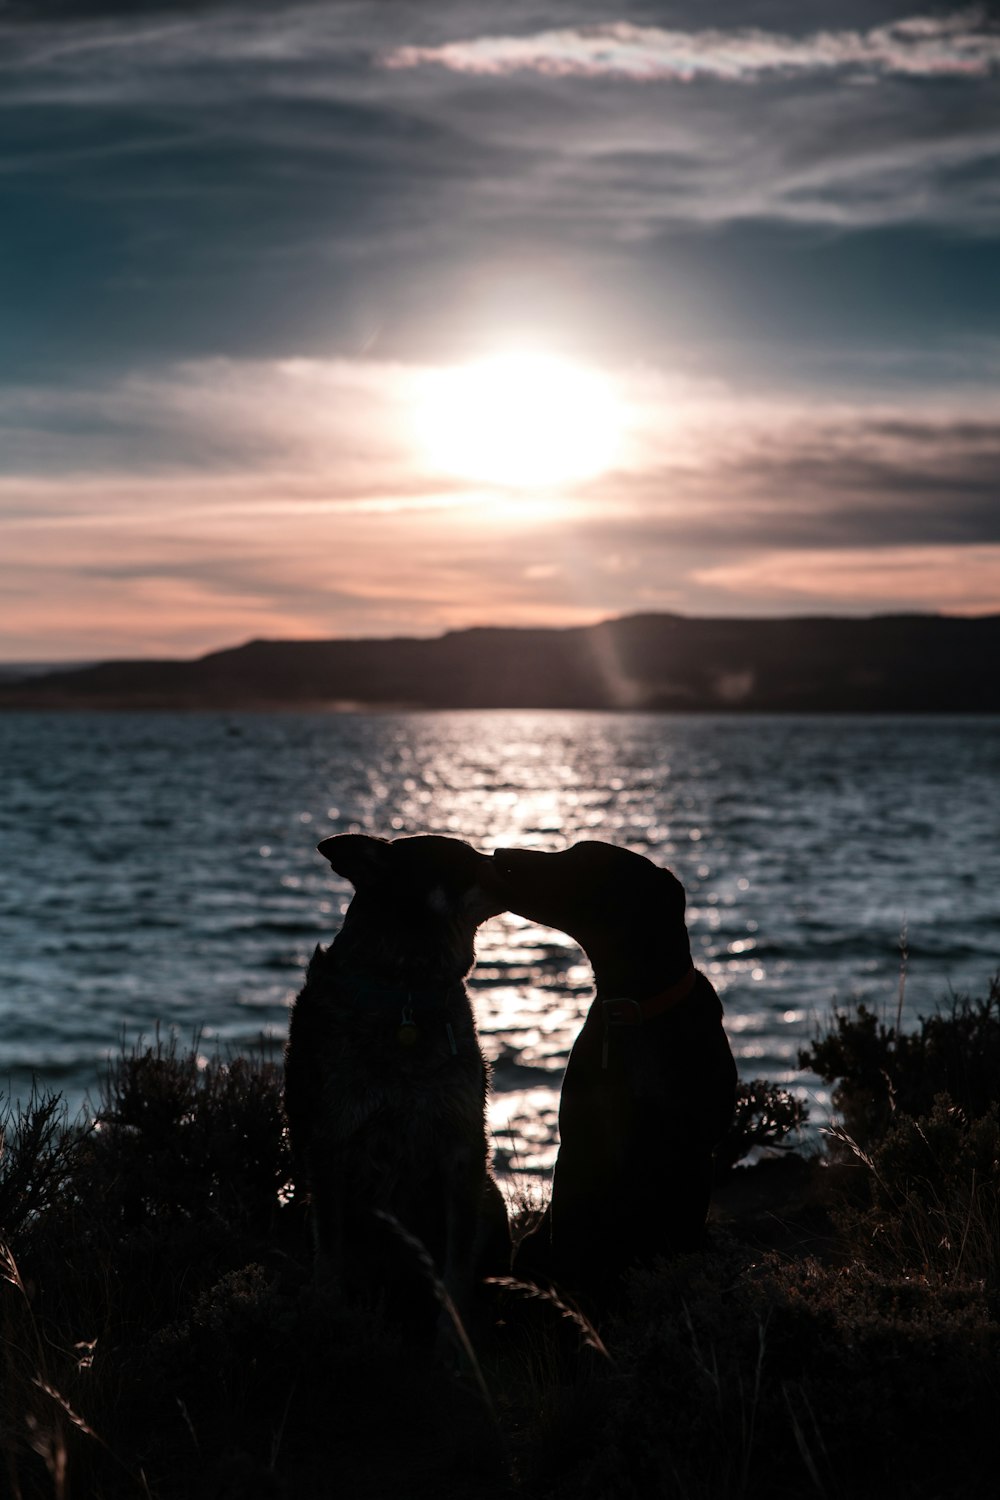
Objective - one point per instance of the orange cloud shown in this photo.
(955, 580)
(298, 503)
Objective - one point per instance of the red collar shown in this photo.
(626, 1012)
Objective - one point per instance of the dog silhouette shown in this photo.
(650, 1084)
(385, 1083)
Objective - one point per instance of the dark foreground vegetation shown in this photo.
(839, 1337)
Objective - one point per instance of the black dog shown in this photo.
(650, 1083)
(385, 1084)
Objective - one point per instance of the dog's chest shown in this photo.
(410, 1064)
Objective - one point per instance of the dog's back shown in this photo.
(385, 1084)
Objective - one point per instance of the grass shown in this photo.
(840, 1336)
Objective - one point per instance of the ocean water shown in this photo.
(159, 871)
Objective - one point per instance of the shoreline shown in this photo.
(67, 703)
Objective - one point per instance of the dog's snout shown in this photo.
(508, 863)
(520, 861)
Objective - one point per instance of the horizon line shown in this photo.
(70, 663)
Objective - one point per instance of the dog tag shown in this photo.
(407, 1034)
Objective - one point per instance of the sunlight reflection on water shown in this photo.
(163, 868)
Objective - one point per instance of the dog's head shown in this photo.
(602, 896)
(416, 898)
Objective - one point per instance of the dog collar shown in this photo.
(428, 1002)
(623, 1011)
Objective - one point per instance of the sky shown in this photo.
(388, 318)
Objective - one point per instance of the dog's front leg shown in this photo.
(331, 1267)
(462, 1214)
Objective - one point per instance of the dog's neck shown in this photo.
(376, 994)
(624, 968)
(389, 968)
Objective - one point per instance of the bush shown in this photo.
(764, 1117)
(934, 1196)
(178, 1138)
(921, 1118)
(879, 1069)
(37, 1153)
(113, 1228)
(162, 1337)
(777, 1380)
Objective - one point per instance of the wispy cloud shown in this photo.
(964, 44)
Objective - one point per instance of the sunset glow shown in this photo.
(327, 320)
(526, 421)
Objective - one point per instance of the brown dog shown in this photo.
(650, 1083)
(385, 1084)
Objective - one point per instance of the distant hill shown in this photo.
(889, 663)
(16, 671)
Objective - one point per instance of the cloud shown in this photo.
(954, 580)
(180, 565)
(349, 420)
(248, 180)
(965, 44)
(285, 498)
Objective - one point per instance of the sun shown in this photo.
(522, 421)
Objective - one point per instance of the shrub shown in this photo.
(764, 1117)
(161, 1335)
(37, 1152)
(777, 1380)
(880, 1069)
(178, 1137)
(934, 1195)
(115, 1227)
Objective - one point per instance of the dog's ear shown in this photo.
(359, 857)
